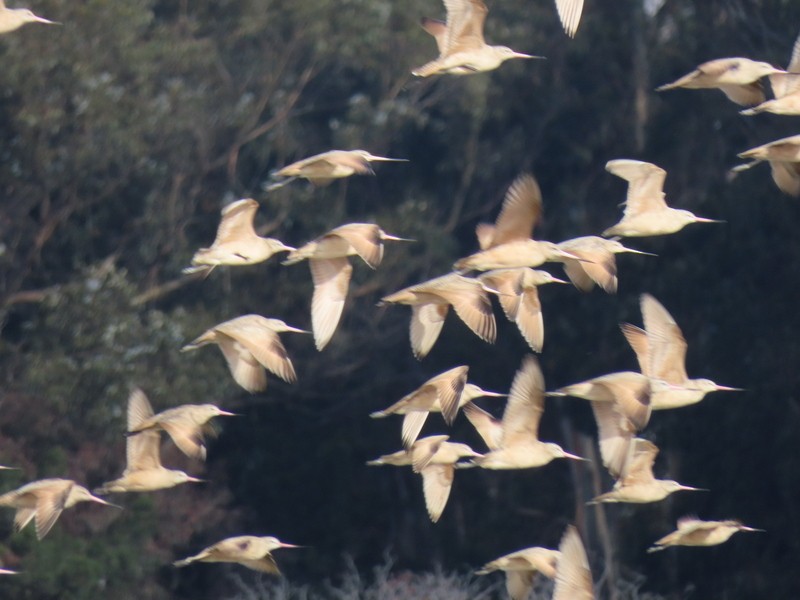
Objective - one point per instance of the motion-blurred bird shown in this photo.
(237, 243)
(783, 156)
(636, 482)
(322, 169)
(597, 264)
(694, 532)
(569, 11)
(519, 447)
(434, 458)
(185, 425)
(250, 344)
(331, 271)
(445, 393)
(462, 49)
(44, 500)
(430, 302)
(573, 574)
(144, 472)
(736, 77)
(14, 18)
(660, 349)
(508, 243)
(785, 88)
(251, 551)
(521, 567)
(646, 212)
(517, 291)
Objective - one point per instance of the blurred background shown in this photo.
(123, 133)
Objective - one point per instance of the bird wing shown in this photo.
(645, 185)
(508, 284)
(142, 448)
(748, 94)
(639, 469)
(519, 584)
(244, 368)
(331, 281)
(265, 564)
(187, 436)
(438, 29)
(529, 319)
(237, 222)
(436, 483)
(465, 20)
(573, 575)
(637, 338)
(365, 239)
(615, 435)
(525, 405)
(522, 209)
(471, 303)
(413, 423)
(786, 176)
(598, 266)
(354, 160)
(786, 84)
(449, 386)
(49, 507)
(263, 343)
(22, 517)
(426, 325)
(631, 393)
(665, 340)
(423, 450)
(569, 11)
(489, 428)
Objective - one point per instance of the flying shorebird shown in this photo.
(736, 77)
(462, 49)
(237, 243)
(517, 291)
(445, 393)
(143, 472)
(250, 344)
(185, 425)
(430, 302)
(44, 500)
(434, 458)
(519, 447)
(521, 567)
(508, 243)
(322, 169)
(646, 212)
(331, 271)
(636, 482)
(783, 156)
(597, 264)
(573, 574)
(694, 532)
(660, 349)
(14, 18)
(785, 88)
(249, 550)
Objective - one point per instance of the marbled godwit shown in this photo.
(8, 572)
(14, 18)
(736, 77)
(44, 500)
(521, 567)
(508, 243)
(785, 87)
(185, 425)
(597, 264)
(331, 271)
(434, 458)
(517, 292)
(322, 169)
(661, 352)
(237, 242)
(250, 344)
(783, 156)
(694, 532)
(445, 393)
(430, 302)
(573, 575)
(462, 49)
(646, 212)
(520, 447)
(249, 550)
(636, 483)
(144, 472)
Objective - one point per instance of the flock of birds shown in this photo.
(622, 402)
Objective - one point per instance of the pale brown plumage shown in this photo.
(322, 169)
(694, 532)
(250, 344)
(251, 551)
(597, 264)
(573, 574)
(14, 18)
(521, 567)
(783, 156)
(785, 88)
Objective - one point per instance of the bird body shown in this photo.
(516, 254)
(462, 49)
(143, 472)
(783, 156)
(521, 567)
(251, 551)
(694, 532)
(44, 500)
(595, 264)
(236, 242)
(322, 169)
(12, 19)
(736, 77)
(250, 344)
